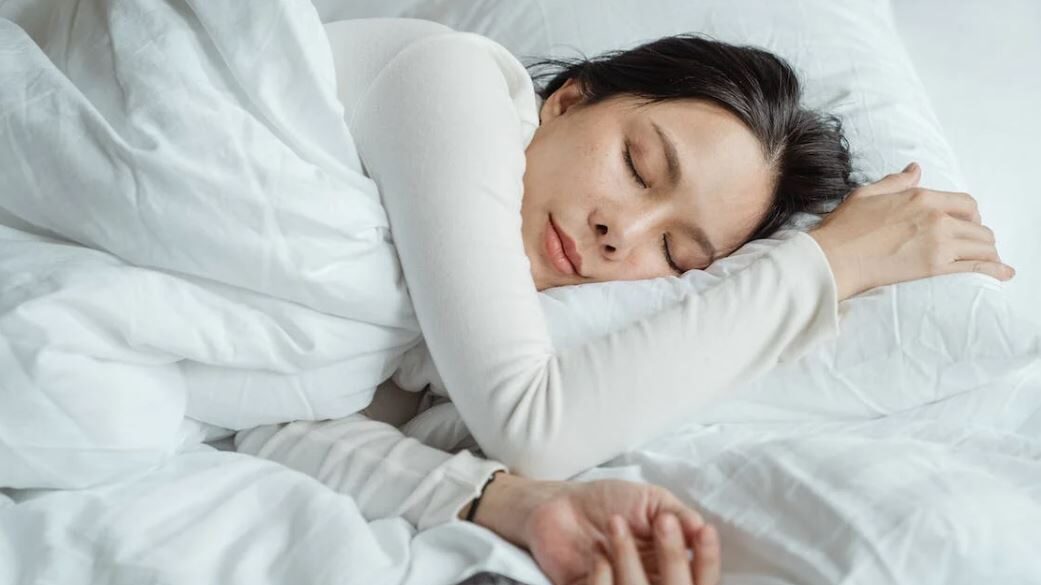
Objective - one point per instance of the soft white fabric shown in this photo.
(186, 233)
(234, 263)
(848, 54)
(208, 516)
(945, 494)
(386, 473)
(909, 500)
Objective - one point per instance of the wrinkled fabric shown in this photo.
(946, 492)
(182, 232)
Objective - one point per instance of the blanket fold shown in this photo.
(181, 202)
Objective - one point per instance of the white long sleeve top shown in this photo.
(442, 119)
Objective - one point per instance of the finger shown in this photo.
(601, 573)
(964, 206)
(969, 230)
(690, 520)
(959, 205)
(624, 559)
(996, 269)
(708, 555)
(649, 560)
(893, 183)
(975, 250)
(673, 565)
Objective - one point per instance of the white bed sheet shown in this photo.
(917, 499)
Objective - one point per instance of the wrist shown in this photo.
(499, 509)
(468, 512)
(845, 275)
(508, 503)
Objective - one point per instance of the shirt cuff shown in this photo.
(812, 283)
(463, 481)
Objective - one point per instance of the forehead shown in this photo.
(725, 174)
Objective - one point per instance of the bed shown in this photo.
(907, 451)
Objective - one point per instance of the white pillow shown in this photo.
(900, 347)
(848, 54)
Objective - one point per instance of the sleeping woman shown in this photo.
(638, 164)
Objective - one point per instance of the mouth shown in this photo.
(561, 250)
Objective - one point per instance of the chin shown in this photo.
(541, 284)
(544, 280)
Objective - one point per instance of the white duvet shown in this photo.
(187, 228)
(184, 227)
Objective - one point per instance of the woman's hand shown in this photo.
(623, 566)
(565, 525)
(893, 231)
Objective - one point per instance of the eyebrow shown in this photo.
(672, 161)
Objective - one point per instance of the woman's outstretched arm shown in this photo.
(387, 473)
(442, 131)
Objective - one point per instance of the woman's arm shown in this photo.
(442, 131)
(387, 473)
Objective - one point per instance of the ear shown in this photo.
(566, 97)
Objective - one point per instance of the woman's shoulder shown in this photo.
(362, 49)
(380, 37)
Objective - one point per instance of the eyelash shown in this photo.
(668, 257)
(627, 154)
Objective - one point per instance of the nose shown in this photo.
(619, 230)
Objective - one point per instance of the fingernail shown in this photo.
(910, 167)
(1011, 271)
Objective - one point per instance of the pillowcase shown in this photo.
(848, 55)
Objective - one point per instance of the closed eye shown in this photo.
(628, 155)
(668, 256)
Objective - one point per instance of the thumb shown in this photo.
(894, 183)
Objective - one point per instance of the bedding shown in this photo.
(908, 454)
(252, 257)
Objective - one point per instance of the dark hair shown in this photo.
(807, 149)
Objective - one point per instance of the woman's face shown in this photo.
(697, 187)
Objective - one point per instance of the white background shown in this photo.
(980, 61)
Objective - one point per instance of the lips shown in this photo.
(561, 250)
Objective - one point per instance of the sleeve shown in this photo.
(444, 108)
(387, 473)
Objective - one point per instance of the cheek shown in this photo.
(647, 263)
(569, 180)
